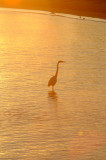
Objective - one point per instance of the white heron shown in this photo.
(53, 79)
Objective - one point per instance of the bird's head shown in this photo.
(60, 62)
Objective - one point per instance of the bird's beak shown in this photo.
(61, 61)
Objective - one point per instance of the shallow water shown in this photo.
(36, 123)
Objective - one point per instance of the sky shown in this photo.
(23, 3)
(20, 3)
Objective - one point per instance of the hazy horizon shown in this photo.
(94, 8)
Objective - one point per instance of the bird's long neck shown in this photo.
(57, 69)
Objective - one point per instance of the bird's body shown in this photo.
(53, 79)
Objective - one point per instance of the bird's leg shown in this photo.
(52, 88)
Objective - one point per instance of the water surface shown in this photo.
(36, 123)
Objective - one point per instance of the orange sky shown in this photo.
(11, 3)
(24, 3)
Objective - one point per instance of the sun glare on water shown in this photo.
(12, 3)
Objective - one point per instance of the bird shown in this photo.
(53, 79)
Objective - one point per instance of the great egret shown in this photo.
(53, 79)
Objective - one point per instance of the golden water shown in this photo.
(36, 123)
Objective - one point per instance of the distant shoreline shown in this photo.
(82, 13)
(86, 8)
(72, 12)
(88, 14)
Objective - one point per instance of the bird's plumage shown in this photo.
(53, 79)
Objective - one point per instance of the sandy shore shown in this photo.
(88, 8)
(88, 14)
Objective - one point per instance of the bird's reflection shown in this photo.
(53, 101)
(53, 95)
